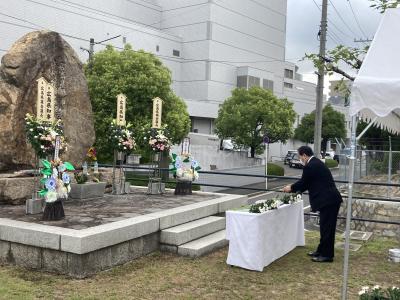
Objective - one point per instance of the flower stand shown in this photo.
(53, 211)
(183, 188)
(34, 206)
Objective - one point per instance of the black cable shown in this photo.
(356, 19)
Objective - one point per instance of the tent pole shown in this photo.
(353, 145)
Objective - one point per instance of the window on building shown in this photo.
(242, 82)
(289, 73)
(268, 84)
(124, 39)
(254, 81)
(298, 120)
(288, 85)
(158, 48)
(176, 53)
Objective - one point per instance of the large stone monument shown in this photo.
(42, 54)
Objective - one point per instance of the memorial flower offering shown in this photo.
(184, 168)
(56, 180)
(122, 137)
(379, 293)
(274, 203)
(159, 140)
(42, 135)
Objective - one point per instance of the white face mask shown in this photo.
(303, 163)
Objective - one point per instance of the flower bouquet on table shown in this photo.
(42, 136)
(274, 203)
(185, 169)
(291, 198)
(56, 182)
(122, 137)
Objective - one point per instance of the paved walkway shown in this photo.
(110, 208)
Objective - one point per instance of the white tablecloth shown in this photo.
(256, 240)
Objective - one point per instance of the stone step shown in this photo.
(204, 245)
(187, 232)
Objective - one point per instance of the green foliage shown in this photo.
(141, 77)
(331, 163)
(376, 138)
(275, 170)
(378, 293)
(248, 114)
(333, 126)
(383, 5)
(81, 178)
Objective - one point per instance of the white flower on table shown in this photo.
(298, 197)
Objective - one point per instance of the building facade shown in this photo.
(210, 46)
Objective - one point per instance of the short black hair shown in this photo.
(305, 150)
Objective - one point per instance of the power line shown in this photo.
(333, 24)
(356, 19)
(265, 6)
(92, 10)
(341, 18)
(23, 20)
(100, 20)
(243, 15)
(33, 28)
(186, 60)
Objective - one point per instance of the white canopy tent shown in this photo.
(375, 97)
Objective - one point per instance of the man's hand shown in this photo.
(287, 189)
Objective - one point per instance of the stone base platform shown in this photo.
(99, 234)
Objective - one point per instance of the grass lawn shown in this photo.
(165, 276)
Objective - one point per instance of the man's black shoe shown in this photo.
(313, 254)
(322, 259)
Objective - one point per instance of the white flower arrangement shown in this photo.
(261, 206)
(184, 168)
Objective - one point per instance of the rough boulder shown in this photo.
(42, 54)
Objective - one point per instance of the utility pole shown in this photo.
(321, 77)
(91, 48)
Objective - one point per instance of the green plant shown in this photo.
(80, 178)
(141, 76)
(275, 170)
(331, 163)
(378, 293)
(333, 126)
(248, 115)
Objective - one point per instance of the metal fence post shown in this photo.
(389, 190)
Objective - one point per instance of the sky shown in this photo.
(303, 20)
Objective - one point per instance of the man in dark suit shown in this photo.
(324, 197)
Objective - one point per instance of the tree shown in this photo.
(382, 5)
(249, 114)
(376, 138)
(333, 126)
(141, 76)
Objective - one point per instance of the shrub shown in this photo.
(331, 163)
(275, 170)
(81, 178)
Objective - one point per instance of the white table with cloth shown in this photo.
(256, 240)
